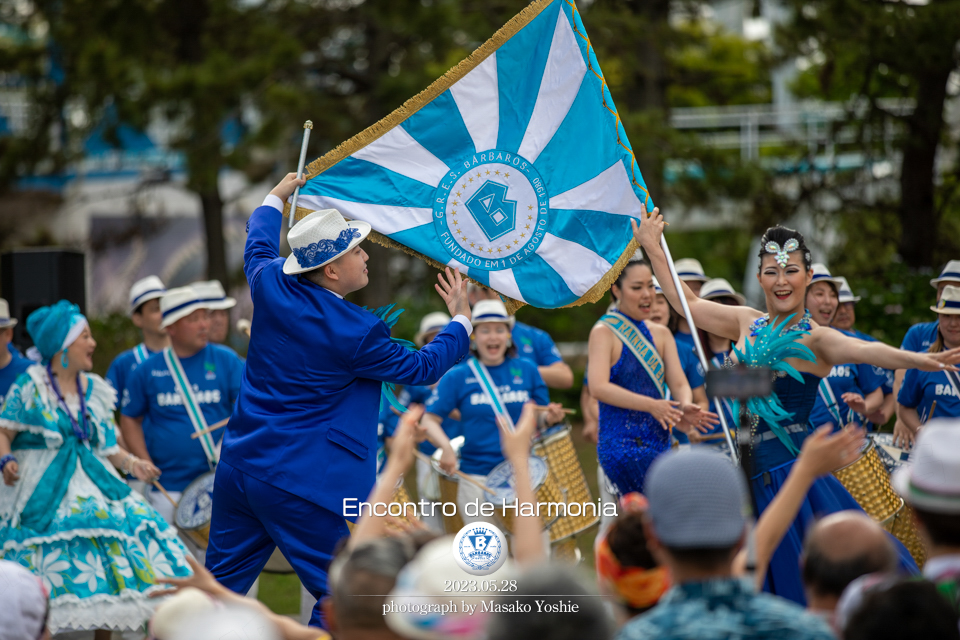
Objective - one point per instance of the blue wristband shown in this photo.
(5, 459)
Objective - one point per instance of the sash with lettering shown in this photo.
(140, 353)
(490, 388)
(190, 403)
(639, 346)
(513, 167)
(830, 401)
(954, 379)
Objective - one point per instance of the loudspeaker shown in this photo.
(33, 278)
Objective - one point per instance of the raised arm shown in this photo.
(835, 348)
(263, 229)
(716, 318)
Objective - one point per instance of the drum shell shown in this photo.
(401, 496)
(449, 488)
(568, 481)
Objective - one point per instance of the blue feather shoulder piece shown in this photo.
(388, 389)
(771, 348)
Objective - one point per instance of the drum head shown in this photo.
(196, 503)
(551, 433)
(501, 480)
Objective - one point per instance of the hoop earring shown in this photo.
(64, 360)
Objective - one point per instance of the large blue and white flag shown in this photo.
(513, 167)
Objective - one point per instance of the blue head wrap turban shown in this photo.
(55, 327)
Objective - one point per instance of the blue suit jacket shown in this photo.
(306, 416)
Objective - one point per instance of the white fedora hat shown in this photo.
(212, 292)
(431, 323)
(5, 320)
(720, 288)
(690, 269)
(144, 290)
(491, 311)
(320, 238)
(822, 274)
(846, 293)
(932, 480)
(656, 285)
(949, 301)
(950, 273)
(179, 303)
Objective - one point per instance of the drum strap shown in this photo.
(641, 348)
(954, 382)
(140, 353)
(490, 388)
(190, 403)
(830, 400)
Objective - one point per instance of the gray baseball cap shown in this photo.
(698, 500)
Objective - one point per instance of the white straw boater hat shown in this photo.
(320, 238)
(949, 301)
(846, 293)
(950, 273)
(932, 481)
(5, 320)
(144, 290)
(656, 285)
(431, 323)
(491, 311)
(720, 288)
(822, 274)
(212, 292)
(690, 269)
(179, 303)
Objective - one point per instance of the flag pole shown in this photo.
(696, 341)
(307, 128)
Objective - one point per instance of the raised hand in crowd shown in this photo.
(453, 290)
(528, 546)
(287, 186)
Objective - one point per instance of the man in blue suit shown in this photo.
(303, 436)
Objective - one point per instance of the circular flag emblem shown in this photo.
(480, 548)
(490, 211)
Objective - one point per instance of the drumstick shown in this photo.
(219, 425)
(164, 492)
(933, 408)
(459, 473)
(569, 412)
(712, 436)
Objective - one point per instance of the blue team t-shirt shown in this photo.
(920, 336)
(17, 365)
(692, 369)
(121, 368)
(417, 394)
(921, 388)
(845, 378)
(885, 374)
(215, 373)
(535, 345)
(517, 380)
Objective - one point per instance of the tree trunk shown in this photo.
(918, 216)
(213, 229)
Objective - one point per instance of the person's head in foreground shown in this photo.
(823, 295)
(356, 577)
(785, 271)
(24, 605)
(325, 249)
(62, 336)
(219, 305)
(907, 609)
(144, 307)
(695, 525)
(931, 486)
(186, 319)
(839, 549)
(492, 326)
(556, 605)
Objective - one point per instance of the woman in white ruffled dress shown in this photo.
(65, 513)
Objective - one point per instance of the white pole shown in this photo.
(307, 128)
(696, 342)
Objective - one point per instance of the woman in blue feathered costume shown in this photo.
(801, 353)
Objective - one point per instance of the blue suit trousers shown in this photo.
(251, 517)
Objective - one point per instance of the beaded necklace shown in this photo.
(761, 323)
(79, 425)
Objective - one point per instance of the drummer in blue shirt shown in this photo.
(920, 389)
(185, 388)
(919, 338)
(691, 273)
(532, 344)
(12, 364)
(517, 381)
(145, 314)
(851, 390)
(844, 320)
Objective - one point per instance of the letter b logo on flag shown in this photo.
(496, 215)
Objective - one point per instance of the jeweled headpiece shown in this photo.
(782, 253)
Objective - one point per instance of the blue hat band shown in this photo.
(722, 292)
(948, 304)
(136, 301)
(191, 302)
(820, 276)
(690, 273)
(317, 253)
(949, 275)
(492, 316)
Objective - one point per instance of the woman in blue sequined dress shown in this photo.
(800, 362)
(635, 420)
